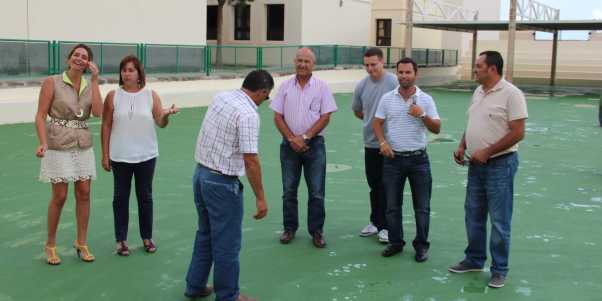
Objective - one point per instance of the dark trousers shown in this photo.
(143, 173)
(313, 164)
(374, 175)
(417, 170)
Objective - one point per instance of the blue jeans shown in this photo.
(219, 205)
(490, 191)
(417, 169)
(313, 164)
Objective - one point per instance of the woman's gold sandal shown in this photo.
(51, 257)
(83, 252)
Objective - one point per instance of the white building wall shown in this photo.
(167, 22)
(329, 22)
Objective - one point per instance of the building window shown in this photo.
(383, 32)
(211, 22)
(242, 23)
(275, 15)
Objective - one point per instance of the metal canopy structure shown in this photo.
(547, 26)
(553, 26)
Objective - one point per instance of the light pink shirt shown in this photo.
(302, 108)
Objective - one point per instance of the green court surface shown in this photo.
(556, 238)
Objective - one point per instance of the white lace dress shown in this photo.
(64, 166)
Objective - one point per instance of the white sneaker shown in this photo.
(383, 236)
(369, 230)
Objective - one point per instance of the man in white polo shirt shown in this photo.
(496, 123)
(400, 124)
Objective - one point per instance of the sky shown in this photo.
(569, 10)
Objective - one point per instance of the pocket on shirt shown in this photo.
(315, 105)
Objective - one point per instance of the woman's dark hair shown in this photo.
(84, 46)
(136, 62)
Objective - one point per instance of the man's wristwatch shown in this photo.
(305, 137)
(423, 115)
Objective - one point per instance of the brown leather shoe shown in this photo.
(287, 236)
(245, 298)
(202, 294)
(318, 240)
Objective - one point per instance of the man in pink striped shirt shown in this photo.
(302, 111)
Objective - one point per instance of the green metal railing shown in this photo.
(35, 58)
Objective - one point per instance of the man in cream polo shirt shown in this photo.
(496, 123)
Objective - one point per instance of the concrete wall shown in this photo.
(326, 22)
(579, 62)
(175, 21)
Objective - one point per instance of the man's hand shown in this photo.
(459, 156)
(41, 150)
(480, 156)
(415, 111)
(298, 144)
(262, 209)
(385, 150)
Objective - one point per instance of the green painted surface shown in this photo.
(556, 239)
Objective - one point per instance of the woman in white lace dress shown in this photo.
(66, 144)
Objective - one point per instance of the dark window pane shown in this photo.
(211, 22)
(275, 22)
(242, 22)
(383, 32)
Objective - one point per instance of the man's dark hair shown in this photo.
(407, 60)
(494, 58)
(257, 80)
(372, 51)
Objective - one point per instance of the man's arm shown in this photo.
(253, 171)
(433, 125)
(319, 125)
(459, 153)
(296, 142)
(516, 134)
(379, 132)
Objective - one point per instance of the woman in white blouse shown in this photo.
(130, 148)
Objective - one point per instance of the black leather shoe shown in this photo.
(391, 250)
(318, 240)
(421, 256)
(287, 236)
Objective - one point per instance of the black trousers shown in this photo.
(143, 173)
(374, 174)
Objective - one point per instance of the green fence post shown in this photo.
(443, 57)
(144, 58)
(49, 54)
(208, 60)
(101, 67)
(336, 54)
(456, 63)
(177, 59)
(427, 57)
(388, 56)
(362, 56)
(259, 63)
(57, 57)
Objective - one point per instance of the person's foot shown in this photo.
(391, 250)
(206, 292)
(463, 267)
(287, 236)
(149, 246)
(383, 236)
(369, 230)
(318, 240)
(497, 281)
(122, 248)
(51, 257)
(421, 255)
(244, 298)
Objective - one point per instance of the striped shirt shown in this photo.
(302, 107)
(402, 131)
(229, 130)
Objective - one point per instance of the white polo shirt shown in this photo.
(489, 114)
